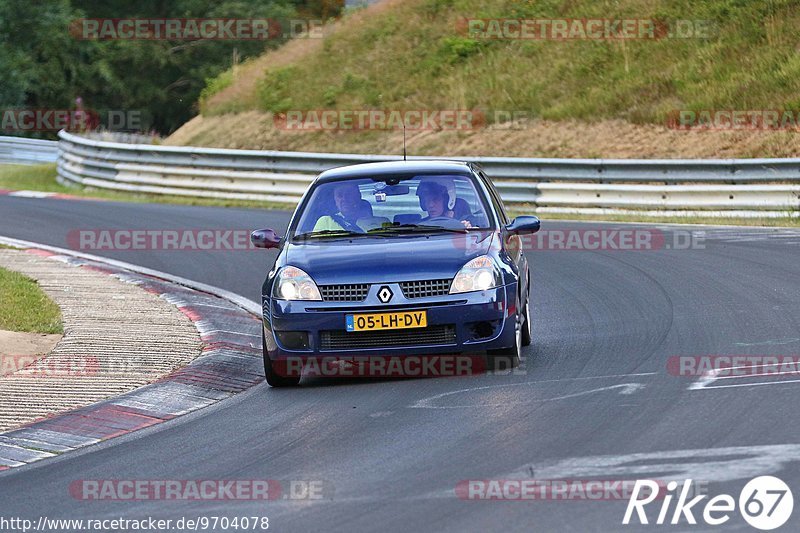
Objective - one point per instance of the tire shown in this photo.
(273, 378)
(527, 337)
(507, 358)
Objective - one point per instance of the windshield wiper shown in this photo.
(417, 228)
(327, 233)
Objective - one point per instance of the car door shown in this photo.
(511, 243)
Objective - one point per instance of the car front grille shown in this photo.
(343, 340)
(354, 292)
(425, 288)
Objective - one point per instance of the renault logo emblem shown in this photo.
(385, 294)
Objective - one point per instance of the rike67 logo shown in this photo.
(765, 503)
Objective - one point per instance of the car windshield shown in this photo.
(389, 205)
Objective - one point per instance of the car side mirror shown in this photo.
(265, 238)
(524, 224)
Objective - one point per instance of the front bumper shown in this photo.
(460, 323)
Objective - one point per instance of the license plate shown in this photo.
(376, 321)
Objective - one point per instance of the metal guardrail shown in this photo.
(23, 151)
(673, 187)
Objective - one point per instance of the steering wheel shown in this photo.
(445, 222)
(478, 221)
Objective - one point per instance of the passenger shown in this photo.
(350, 208)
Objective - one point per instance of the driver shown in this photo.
(435, 199)
(349, 204)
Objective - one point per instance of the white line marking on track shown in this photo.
(776, 342)
(713, 375)
(782, 382)
(425, 403)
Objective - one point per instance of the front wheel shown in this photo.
(275, 379)
(527, 336)
(506, 358)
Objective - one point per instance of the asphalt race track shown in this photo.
(594, 390)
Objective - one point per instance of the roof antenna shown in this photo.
(404, 140)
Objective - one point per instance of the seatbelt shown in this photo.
(349, 226)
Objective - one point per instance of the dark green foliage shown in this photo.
(44, 66)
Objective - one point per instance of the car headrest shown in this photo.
(366, 209)
(461, 209)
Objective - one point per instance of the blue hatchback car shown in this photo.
(396, 259)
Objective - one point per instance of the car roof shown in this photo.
(426, 166)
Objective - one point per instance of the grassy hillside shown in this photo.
(414, 54)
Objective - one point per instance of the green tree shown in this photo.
(43, 65)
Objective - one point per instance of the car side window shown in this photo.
(495, 197)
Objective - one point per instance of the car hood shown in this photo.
(387, 259)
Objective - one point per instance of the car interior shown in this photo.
(386, 205)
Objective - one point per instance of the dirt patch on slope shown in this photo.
(535, 138)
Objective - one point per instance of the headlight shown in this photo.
(477, 275)
(294, 284)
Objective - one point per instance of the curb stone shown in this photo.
(230, 363)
